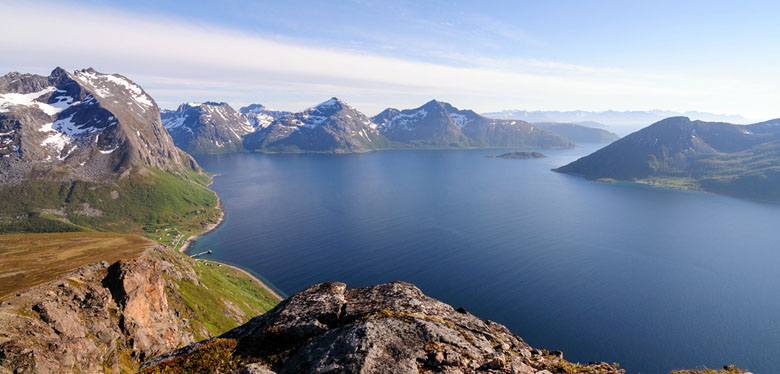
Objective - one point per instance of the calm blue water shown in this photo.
(654, 279)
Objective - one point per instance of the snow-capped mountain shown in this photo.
(332, 126)
(439, 124)
(208, 127)
(86, 124)
(260, 116)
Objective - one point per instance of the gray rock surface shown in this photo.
(388, 328)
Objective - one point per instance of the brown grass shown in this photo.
(27, 260)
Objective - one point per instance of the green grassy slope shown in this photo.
(154, 204)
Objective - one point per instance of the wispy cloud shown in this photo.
(179, 61)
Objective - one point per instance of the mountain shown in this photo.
(207, 127)
(739, 160)
(622, 122)
(85, 124)
(88, 150)
(579, 133)
(440, 125)
(260, 116)
(332, 126)
(388, 328)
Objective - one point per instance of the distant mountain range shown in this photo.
(87, 150)
(739, 160)
(335, 126)
(579, 133)
(440, 125)
(622, 122)
(332, 126)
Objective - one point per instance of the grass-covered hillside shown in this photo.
(155, 204)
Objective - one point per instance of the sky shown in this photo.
(711, 56)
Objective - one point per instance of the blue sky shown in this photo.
(713, 56)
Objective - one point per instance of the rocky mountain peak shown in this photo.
(253, 108)
(58, 72)
(331, 126)
(330, 107)
(207, 127)
(84, 123)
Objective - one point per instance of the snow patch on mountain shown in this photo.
(8, 100)
(402, 120)
(98, 83)
(459, 119)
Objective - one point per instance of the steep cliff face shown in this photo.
(389, 328)
(107, 318)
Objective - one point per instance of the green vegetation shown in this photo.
(224, 297)
(152, 203)
(681, 183)
(728, 369)
(27, 260)
(215, 356)
(519, 155)
(559, 365)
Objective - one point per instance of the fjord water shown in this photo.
(654, 279)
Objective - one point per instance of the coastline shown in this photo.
(183, 250)
(261, 282)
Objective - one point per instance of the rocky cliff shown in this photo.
(107, 318)
(389, 328)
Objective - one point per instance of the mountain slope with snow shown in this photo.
(332, 126)
(83, 123)
(261, 116)
(440, 125)
(208, 127)
(88, 150)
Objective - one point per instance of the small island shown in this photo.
(520, 155)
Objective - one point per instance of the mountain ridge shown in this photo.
(439, 124)
(738, 160)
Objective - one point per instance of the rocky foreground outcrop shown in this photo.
(99, 317)
(108, 318)
(388, 328)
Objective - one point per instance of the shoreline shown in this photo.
(261, 282)
(212, 227)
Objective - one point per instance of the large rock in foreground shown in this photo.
(389, 328)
